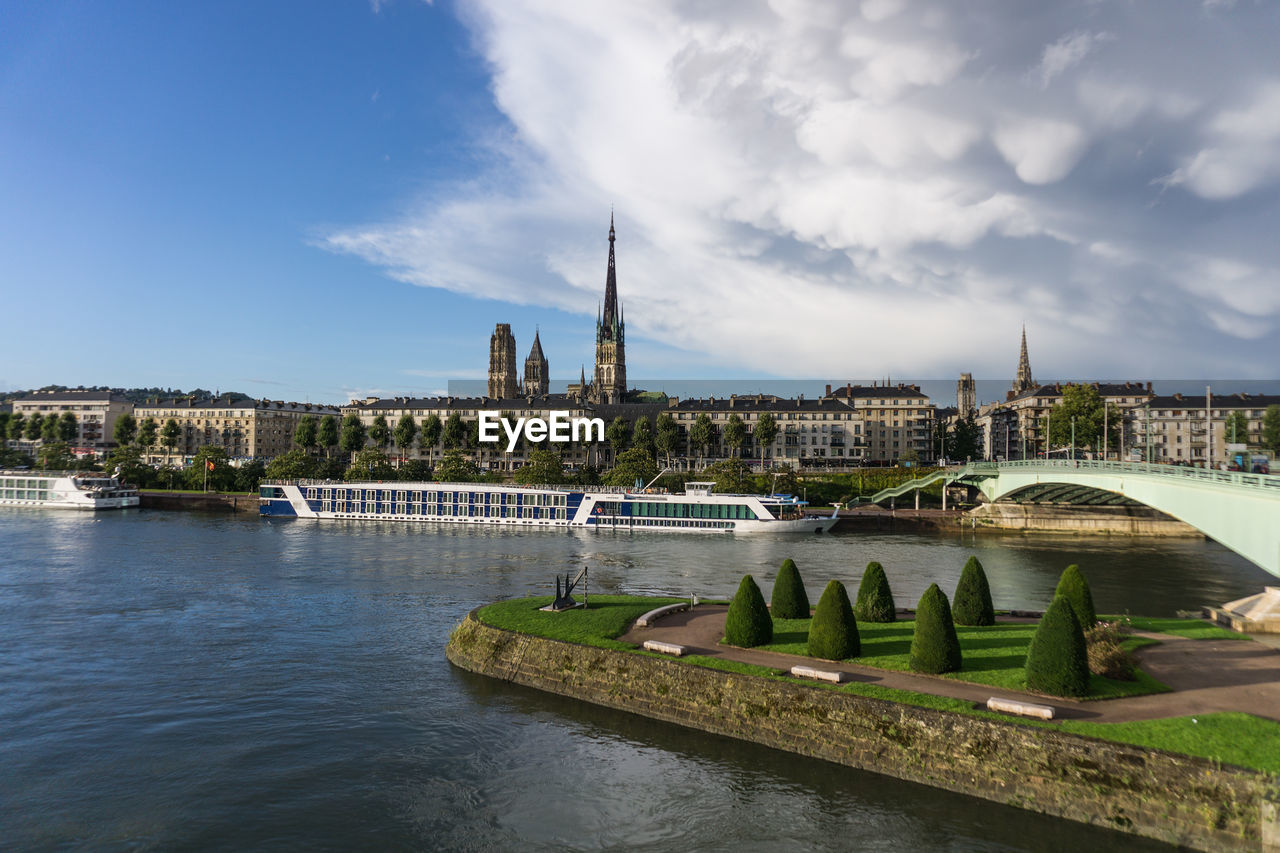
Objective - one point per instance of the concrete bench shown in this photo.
(665, 648)
(654, 615)
(820, 674)
(1023, 709)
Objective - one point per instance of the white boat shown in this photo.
(698, 510)
(65, 490)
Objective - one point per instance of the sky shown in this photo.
(318, 202)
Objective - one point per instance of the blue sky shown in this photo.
(321, 201)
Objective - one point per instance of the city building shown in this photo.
(1196, 430)
(95, 412)
(246, 429)
(503, 381)
(537, 371)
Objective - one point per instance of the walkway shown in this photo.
(1206, 675)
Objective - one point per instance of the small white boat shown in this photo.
(65, 490)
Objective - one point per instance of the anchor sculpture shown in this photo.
(564, 599)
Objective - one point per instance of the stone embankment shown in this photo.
(1020, 518)
(205, 502)
(1174, 798)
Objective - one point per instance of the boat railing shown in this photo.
(542, 487)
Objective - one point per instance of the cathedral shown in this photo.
(609, 379)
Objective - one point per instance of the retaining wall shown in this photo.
(1174, 798)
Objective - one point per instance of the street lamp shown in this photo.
(1073, 438)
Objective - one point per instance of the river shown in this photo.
(188, 681)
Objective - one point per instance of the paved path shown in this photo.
(1206, 675)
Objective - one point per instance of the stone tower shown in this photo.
(537, 377)
(966, 395)
(1024, 382)
(610, 382)
(503, 382)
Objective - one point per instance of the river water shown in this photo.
(187, 681)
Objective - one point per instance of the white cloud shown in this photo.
(803, 187)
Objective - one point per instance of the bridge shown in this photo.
(1239, 510)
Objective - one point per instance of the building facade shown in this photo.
(247, 430)
(96, 413)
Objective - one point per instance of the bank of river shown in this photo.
(221, 681)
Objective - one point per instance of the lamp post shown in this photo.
(1073, 438)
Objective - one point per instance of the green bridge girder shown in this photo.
(1239, 510)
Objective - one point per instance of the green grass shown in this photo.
(599, 625)
(994, 655)
(1230, 738)
(1192, 629)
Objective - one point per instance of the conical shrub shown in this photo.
(1075, 588)
(790, 601)
(833, 634)
(973, 596)
(1058, 661)
(934, 646)
(748, 623)
(875, 601)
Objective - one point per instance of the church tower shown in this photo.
(966, 396)
(503, 382)
(537, 376)
(1024, 382)
(610, 383)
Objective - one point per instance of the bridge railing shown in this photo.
(1268, 482)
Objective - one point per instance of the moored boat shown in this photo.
(65, 490)
(698, 510)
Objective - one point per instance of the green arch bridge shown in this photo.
(1239, 510)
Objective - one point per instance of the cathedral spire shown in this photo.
(610, 317)
(1023, 382)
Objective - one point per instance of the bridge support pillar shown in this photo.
(917, 500)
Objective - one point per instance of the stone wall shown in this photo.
(1122, 520)
(1177, 799)
(207, 502)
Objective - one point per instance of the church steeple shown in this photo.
(610, 319)
(610, 378)
(1023, 382)
(537, 373)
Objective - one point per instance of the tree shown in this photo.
(249, 475)
(1271, 428)
(735, 434)
(642, 434)
(327, 434)
(935, 649)
(833, 633)
(702, 433)
(456, 467)
(1084, 404)
(221, 478)
(766, 433)
(973, 596)
(68, 427)
(126, 463)
(380, 432)
(306, 435)
(731, 476)
(965, 441)
(431, 428)
(353, 435)
(55, 454)
(1058, 660)
(747, 623)
(125, 430)
(414, 471)
(910, 456)
(666, 436)
(406, 432)
(17, 426)
(942, 438)
(370, 464)
(783, 481)
(454, 433)
(169, 437)
(875, 600)
(543, 467)
(789, 601)
(617, 435)
(1236, 429)
(1075, 589)
(34, 427)
(5, 417)
(50, 430)
(147, 433)
(294, 465)
(633, 465)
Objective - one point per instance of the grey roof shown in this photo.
(227, 403)
(857, 392)
(1224, 401)
(71, 396)
(759, 403)
(543, 401)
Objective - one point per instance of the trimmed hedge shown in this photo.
(934, 646)
(1057, 661)
(790, 601)
(1075, 588)
(748, 623)
(833, 633)
(875, 600)
(973, 597)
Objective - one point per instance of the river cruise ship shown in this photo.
(695, 511)
(65, 490)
